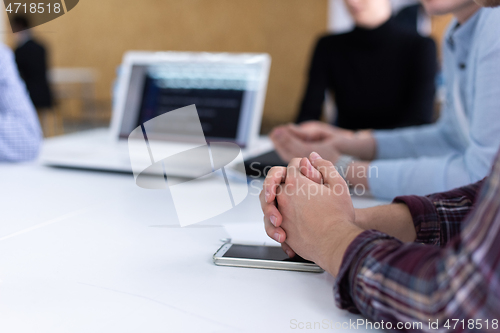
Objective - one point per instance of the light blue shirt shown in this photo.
(20, 133)
(450, 153)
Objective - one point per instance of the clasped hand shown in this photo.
(299, 141)
(308, 209)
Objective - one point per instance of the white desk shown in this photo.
(92, 252)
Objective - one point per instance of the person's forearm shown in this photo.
(357, 175)
(394, 220)
(438, 217)
(334, 261)
(361, 144)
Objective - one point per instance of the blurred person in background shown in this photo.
(415, 18)
(20, 133)
(31, 59)
(457, 150)
(432, 259)
(381, 74)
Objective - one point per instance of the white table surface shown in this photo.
(88, 251)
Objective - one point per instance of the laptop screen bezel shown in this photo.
(140, 58)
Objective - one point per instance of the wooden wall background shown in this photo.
(96, 33)
(439, 25)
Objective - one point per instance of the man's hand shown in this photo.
(291, 141)
(272, 217)
(315, 220)
(394, 219)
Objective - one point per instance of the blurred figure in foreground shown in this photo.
(31, 59)
(381, 74)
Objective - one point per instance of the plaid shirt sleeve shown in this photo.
(389, 281)
(20, 133)
(438, 217)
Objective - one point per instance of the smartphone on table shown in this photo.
(254, 256)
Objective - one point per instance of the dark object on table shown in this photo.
(260, 165)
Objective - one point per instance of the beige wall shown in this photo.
(97, 33)
(439, 25)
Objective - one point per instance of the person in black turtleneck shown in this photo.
(381, 74)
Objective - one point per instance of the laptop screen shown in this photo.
(224, 95)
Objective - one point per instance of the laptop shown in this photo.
(228, 90)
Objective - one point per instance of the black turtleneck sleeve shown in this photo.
(381, 78)
(419, 108)
(312, 103)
